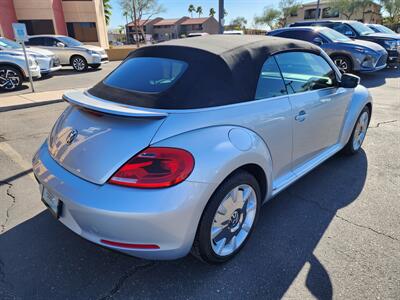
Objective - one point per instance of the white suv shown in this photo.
(47, 60)
(70, 51)
(13, 70)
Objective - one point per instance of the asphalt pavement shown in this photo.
(335, 233)
(66, 78)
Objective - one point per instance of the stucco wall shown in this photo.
(7, 17)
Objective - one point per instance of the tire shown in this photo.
(79, 63)
(10, 78)
(238, 223)
(344, 63)
(359, 132)
(96, 66)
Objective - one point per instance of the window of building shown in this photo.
(34, 27)
(303, 71)
(328, 12)
(310, 14)
(83, 31)
(270, 84)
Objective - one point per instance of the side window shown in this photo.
(343, 29)
(270, 83)
(303, 71)
(50, 42)
(35, 41)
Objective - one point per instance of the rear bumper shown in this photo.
(164, 217)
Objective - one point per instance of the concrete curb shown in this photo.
(28, 105)
(31, 100)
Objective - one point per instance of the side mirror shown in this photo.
(349, 81)
(317, 41)
(60, 45)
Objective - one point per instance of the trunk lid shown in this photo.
(93, 137)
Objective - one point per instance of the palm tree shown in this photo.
(191, 9)
(107, 10)
(199, 10)
(212, 12)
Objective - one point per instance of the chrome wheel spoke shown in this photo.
(233, 220)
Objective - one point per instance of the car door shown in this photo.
(318, 104)
(272, 120)
(50, 43)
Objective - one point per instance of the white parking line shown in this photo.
(16, 157)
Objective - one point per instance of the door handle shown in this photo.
(301, 116)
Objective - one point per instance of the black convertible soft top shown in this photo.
(222, 69)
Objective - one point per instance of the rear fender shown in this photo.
(220, 150)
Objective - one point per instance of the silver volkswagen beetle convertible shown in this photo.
(177, 149)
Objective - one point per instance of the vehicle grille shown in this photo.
(382, 60)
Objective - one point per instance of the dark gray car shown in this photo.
(349, 55)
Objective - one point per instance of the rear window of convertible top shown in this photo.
(146, 74)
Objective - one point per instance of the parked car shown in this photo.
(70, 51)
(196, 34)
(233, 32)
(151, 165)
(359, 31)
(348, 55)
(381, 29)
(13, 70)
(47, 60)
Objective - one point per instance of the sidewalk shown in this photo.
(30, 99)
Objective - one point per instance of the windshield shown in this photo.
(384, 29)
(8, 44)
(146, 74)
(69, 41)
(333, 35)
(361, 28)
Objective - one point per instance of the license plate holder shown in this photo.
(53, 203)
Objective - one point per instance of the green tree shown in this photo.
(212, 12)
(238, 23)
(392, 8)
(225, 13)
(191, 10)
(346, 7)
(107, 10)
(270, 17)
(288, 8)
(199, 10)
(139, 10)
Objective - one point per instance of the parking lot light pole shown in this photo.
(317, 12)
(221, 16)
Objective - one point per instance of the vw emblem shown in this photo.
(71, 136)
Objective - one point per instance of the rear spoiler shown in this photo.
(83, 99)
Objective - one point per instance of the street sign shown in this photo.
(20, 32)
(21, 36)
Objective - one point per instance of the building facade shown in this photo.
(308, 11)
(165, 29)
(81, 19)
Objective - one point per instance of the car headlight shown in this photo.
(91, 52)
(32, 62)
(391, 45)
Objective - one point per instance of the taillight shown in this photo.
(156, 167)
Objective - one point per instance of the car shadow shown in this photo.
(66, 71)
(22, 87)
(371, 80)
(41, 259)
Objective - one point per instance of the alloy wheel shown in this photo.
(342, 64)
(9, 79)
(361, 130)
(79, 64)
(233, 220)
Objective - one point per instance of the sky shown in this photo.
(179, 8)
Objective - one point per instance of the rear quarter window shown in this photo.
(146, 74)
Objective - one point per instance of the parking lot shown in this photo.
(333, 234)
(66, 78)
